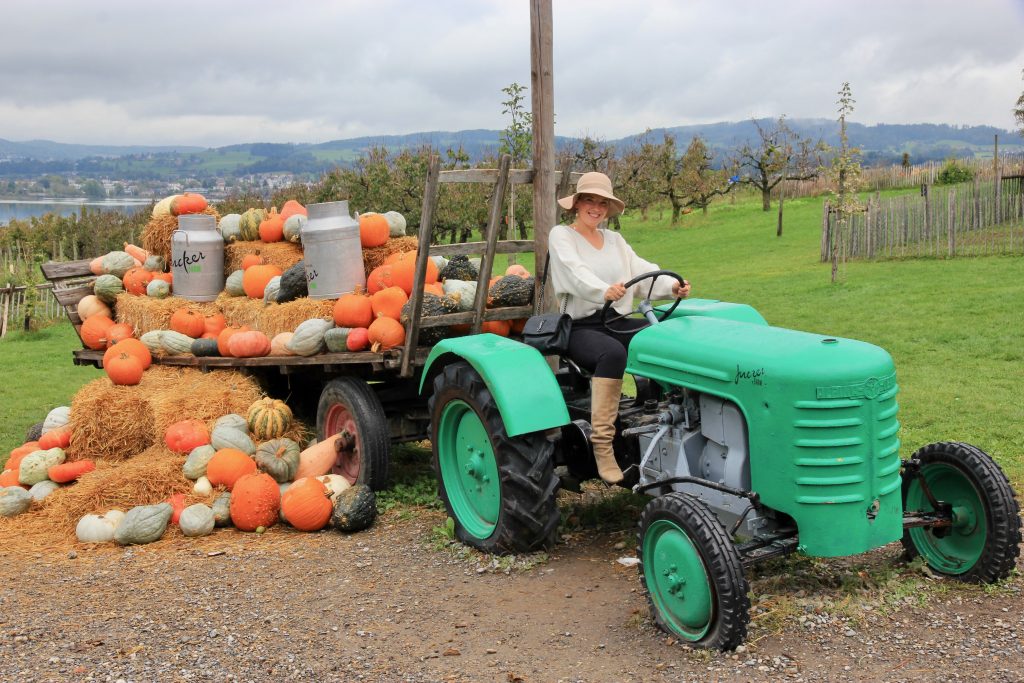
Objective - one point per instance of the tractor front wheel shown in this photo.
(983, 542)
(499, 490)
(692, 573)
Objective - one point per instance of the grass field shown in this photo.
(954, 327)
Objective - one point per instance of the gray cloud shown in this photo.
(216, 73)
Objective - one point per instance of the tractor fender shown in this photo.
(520, 380)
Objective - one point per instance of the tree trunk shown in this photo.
(704, 209)
(766, 199)
(676, 210)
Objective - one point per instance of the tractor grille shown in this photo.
(847, 448)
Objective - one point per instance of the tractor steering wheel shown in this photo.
(644, 308)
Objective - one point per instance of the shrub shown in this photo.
(953, 173)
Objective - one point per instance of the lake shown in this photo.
(24, 209)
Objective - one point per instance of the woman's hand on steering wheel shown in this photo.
(681, 289)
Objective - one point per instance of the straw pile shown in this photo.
(375, 256)
(116, 422)
(146, 313)
(284, 255)
(273, 319)
(156, 236)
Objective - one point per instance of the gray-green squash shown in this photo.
(196, 520)
(463, 291)
(143, 524)
(308, 339)
(336, 338)
(229, 437)
(232, 420)
(271, 290)
(176, 343)
(229, 226)
(153, 340)
(279, 458)
(42, 489)
(33, 468)
(13, 501)
(158, 289)
(117, 263)
(354, 509)
(154, 263)
(197, 460)
(222, 509)
(233, 285)
(396, 224)
(205, 347)
(293, 226)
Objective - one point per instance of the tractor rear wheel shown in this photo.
(348, 406)
(983, 543)
(692, 573)
(499, 490)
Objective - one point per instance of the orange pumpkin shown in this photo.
(403, 270)
(10, 478)
(123, 368)
(358, 339)
(224, 337)
(70, 471)
(516, 269)
(251, 344)
(94, 331)
(306, 506)
(58, 437)
(388, 302)
(166, 277)
(385, 333)
(182, 437)
(353, 310)
(14, 460)
(290, 208)
(498, 327)
(318, 459)
(190, 202)
(380, 278)
(255, 502)
(132, 346)
(96, 265)
(213, 324)
(136, 280)
(272, 227)
(373, 230)
(228, 465)
(434, 288)
(119, 332)
(177, 503)
(250, 260)
(517, 325)
(188, 322)
(255, 279)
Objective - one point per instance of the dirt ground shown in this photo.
(393, 604)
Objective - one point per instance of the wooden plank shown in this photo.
(327, 360)
(71, 296)
(493, 223)
(53, 270)
(412, 332)
(542, 97)
(468, 248)
(461, 318)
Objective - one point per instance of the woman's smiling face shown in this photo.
(591, 210)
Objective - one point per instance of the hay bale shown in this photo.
(145, 313)
(375, 256)
(156, 236)
(284, 255)
(273, 319)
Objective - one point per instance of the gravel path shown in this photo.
(387, 605)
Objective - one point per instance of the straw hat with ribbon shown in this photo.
(596, 184)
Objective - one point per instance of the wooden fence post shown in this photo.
(6, 295)
(951, 226)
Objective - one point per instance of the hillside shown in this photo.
(880, 144)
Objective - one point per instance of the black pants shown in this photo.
(599, 351)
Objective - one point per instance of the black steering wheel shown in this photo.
(644, 308)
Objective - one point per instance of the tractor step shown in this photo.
(759, 550)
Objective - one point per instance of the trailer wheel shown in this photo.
(350, 407)
(499, 490)
(692, 573)
(983, 543)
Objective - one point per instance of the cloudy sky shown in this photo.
(219, 72)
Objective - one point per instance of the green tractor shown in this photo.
(753, 441)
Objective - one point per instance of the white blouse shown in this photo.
(581, 274)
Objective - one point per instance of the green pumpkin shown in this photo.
(228, 437)
(432, 305)
(249, 224)
(293, 283)
(293, 226)
(230, 227)
(143, 524)
(354, 509)
(336, 339)
(117, 263)
(222, 509)
(205, 347)
(158, 289)
(279, 458)
(42, 489)
(14, 500)
(196, 462)
(107, 287)
(308, 339)
(233, 285)
(176, 343)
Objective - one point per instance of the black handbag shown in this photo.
(548, 332)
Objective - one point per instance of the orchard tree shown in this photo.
(698, 179)
(778, 154)
(516, 141)
(1018, 112)
(845, 176)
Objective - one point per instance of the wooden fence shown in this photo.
(13, 306)
(970, 219)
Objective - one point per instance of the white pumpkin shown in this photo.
(42, 489)
(58, 417)
(196, 520)
(114, 517)
(13, 501)
(34, 467)
(335, 484)
(203, 486)
(95, 529)
(396, 223)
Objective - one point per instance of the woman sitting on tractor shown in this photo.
(588, 267)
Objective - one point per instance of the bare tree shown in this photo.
(1018, 112)
(779, 154)
(845, 174)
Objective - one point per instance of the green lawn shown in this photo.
(954, 327)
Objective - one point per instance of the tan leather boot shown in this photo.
(604, 408)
